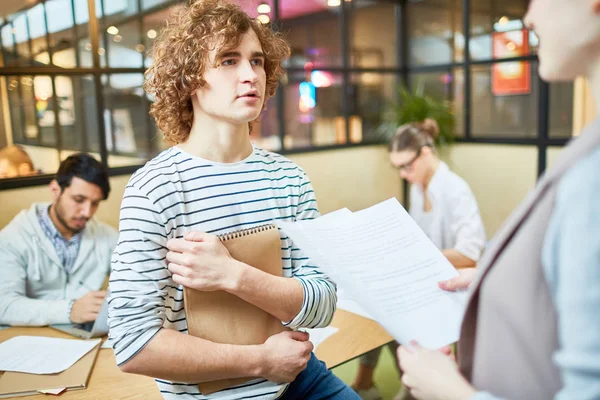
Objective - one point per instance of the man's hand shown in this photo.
(287, 355)
(86, 308)
(200, 261)
(462, 281)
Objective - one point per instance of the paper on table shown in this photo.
(53, 391)
(382, 257)
(345, 302)
(42, 355)
(319, 335)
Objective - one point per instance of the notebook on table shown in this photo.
(225, 318)
(14, 384)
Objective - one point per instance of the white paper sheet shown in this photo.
(318, 335)
(386, 263)
(347, 303)
(42, 355)
(53, 391)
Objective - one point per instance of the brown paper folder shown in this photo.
(225, 318)
(73, 378)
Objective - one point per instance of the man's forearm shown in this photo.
(18, 310)
(175, 356)
(279, 296)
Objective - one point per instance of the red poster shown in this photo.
(509, 78)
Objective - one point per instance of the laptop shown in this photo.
(92, 329)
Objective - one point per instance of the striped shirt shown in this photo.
(177, 192)
(66, 250)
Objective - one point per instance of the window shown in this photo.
(125, 45)
(496, 113)
(265, 131)
(445, 84)
(561, 110)
(130, 134)
(337, 91)
(435, 32)
(373, 95)
(497, 30)
(313, 112)
(373, 45)
(315, 41)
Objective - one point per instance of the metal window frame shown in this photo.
(402, 71)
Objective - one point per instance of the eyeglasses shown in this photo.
(407, 166)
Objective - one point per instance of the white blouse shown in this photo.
(453, 221)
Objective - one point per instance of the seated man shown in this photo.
(55, 258)
(14, 161)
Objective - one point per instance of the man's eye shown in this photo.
(79, 201)
(227, 62)
(258, 62)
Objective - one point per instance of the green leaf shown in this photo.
(416, 107)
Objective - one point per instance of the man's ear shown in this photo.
(55, 189)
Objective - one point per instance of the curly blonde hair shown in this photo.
(181, 56)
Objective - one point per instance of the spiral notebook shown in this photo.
(225, 318)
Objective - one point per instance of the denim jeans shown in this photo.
(316, 382)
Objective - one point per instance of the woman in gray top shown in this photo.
(532, 327)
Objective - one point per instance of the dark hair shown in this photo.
(86, 167)
(414, 136)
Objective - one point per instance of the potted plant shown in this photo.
(415, 107)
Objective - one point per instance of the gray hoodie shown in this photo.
(35, 289)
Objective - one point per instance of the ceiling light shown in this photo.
(503, 20)
(140, 48)
(151, 33)
(117, 38)
(113, 30)
(333, 3)
(264, 19)
(263, 8)
(101, 51)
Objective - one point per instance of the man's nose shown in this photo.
(86, 210)
(247, 73)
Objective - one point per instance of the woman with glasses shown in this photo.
(442, 204)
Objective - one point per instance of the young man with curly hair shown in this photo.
(214, 68)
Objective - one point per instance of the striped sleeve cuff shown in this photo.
(318, 305)
(129, 346)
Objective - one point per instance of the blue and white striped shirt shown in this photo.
(66, 250)
(177, 192)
